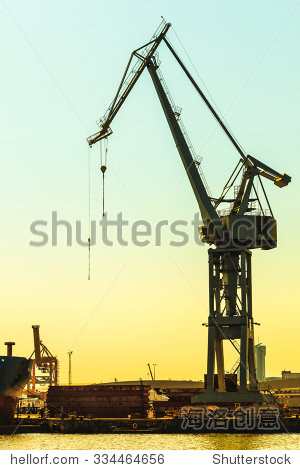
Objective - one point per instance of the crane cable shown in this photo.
(103, 167)
(89, 213)
(209, 94)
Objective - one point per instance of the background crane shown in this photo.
(44, 362)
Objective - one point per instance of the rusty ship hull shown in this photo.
(98, 401)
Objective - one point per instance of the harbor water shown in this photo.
(148, 442)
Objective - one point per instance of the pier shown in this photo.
(167, 425)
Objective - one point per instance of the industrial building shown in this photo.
(287, 374)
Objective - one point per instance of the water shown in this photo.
(150, 441)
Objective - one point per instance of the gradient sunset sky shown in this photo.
(61, 65)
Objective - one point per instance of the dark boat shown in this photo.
(14, 374)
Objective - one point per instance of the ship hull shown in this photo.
(14, 374)
(98, 400)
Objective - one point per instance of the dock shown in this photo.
(166, 425)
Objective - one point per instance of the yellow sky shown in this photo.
(142, 304)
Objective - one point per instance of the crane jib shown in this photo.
(118, 101)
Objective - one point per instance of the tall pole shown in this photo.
(70, 368)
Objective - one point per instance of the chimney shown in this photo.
(9, 345)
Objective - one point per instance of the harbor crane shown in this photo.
(44, 361)
(233, 232)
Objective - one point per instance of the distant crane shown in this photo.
(243, 225)
(43, 361)
(150, 371)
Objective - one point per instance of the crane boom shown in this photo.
(207, 210)
(117, 102)
(206, 207)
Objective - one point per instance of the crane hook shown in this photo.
(89, 271)
(103, 169)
